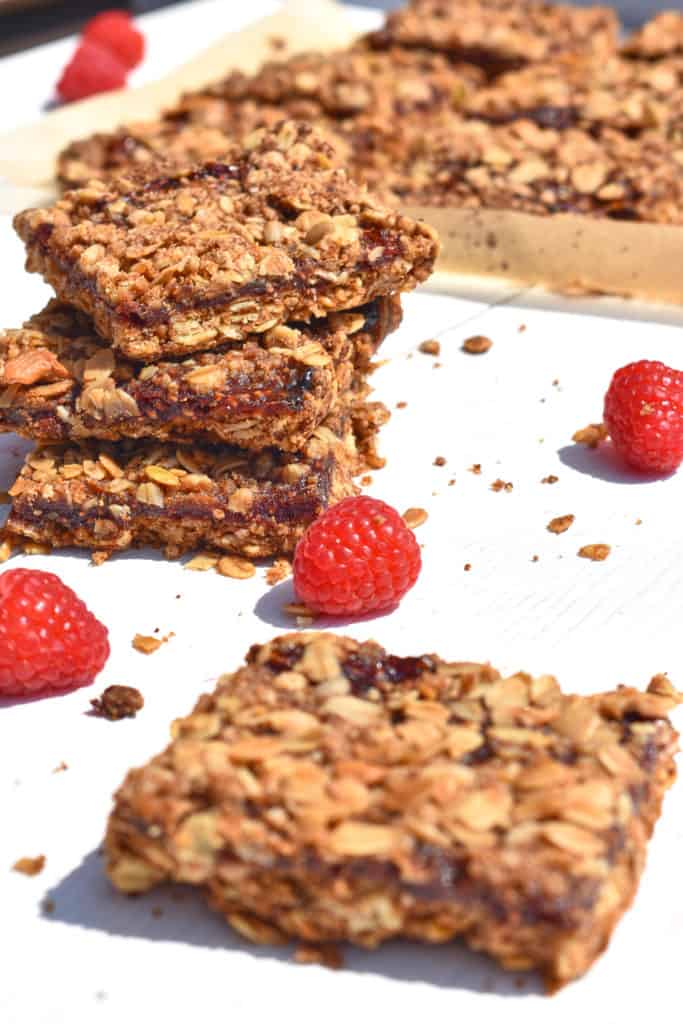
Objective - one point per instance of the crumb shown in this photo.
(451, 482)
(467, 566)
(299, 610)
(157, 911)
(560, 524)
(639, 522)
(178, 596)
(501, 485)
(202, 562)
(431, 347)
(439, 461)
(33, 548)
(48, 906)
(278, 571)
(235, 567)
(366, 480)
(556, 383)
(551, 479)
(596, 552)
(157, 630)
(414, 517)
(99, 557)
(477, 344)
(146, 644)
(118, 702)
(534, 558)
(476, 468)
(591, 435)
(326, 954)
(401, 405)
(277, 42)
(437, 366)
(61, 767)
(521, 329)
(29, 865)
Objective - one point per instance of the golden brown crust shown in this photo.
(193, 259)
(59, 381)
(661, 36)
(330, 791)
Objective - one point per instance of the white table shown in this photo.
(100, 958)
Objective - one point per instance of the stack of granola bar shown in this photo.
(200, 378)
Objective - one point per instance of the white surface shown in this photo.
(102, 958)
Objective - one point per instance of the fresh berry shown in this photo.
(49, 641)
(115, 31)
(359, 557)
(644, 415)
(92, 69)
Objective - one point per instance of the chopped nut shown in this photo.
(477, 344)
(29, 865)
(118, 702)
(414, 517)
(146, 644)
(203, 562)
(501, 485)
(596, 552)
(560, 524)
(591, 435)
(550, 479)
(476, 469)
(430, 347)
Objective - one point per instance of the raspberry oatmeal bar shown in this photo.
(330, 791)
(61, 382)
(186, 261)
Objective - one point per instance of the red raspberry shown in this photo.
(644, 415)
(49, 641)
(115, 31)
(91, 70)
(359, 557)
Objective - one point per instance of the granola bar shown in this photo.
(329, 791)
(661, 36)
(190, 260)
(522, 167)
(500, 35)
(632, 97)
(363, 100)
(111, 497)
(60, 382)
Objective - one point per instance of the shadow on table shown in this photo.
(85, 898)
(603, 463)
(269, 609)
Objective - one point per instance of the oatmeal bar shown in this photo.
(500, 34)
(662, 36)
(330, 791)
(110, 497)
(190, 260)
(60, 382)
(633, 97)
(362, 99)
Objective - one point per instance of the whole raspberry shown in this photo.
(359, 557)
(644, 415)
(49, 641)
(92, 69)
(115, 31)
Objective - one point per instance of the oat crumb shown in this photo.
(118, 702)
(439, 461)
(278, 571)
(521, 329)
(596, 552)
(467, 566)
(325, 954)
(99, 557)
(431, 347)
(366, 480)
(477, 344)
(29, 865)
(235, 567)
(476, 469)
(534, 558)
(146, 644)
(61, 767)
(401, 405)
(591, 435)
(202, 562)
(560, 524)
(639, 522)
(297, 609)
(414, 517)
(501, 485)
(550, 479)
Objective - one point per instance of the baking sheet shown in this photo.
(98, 957)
